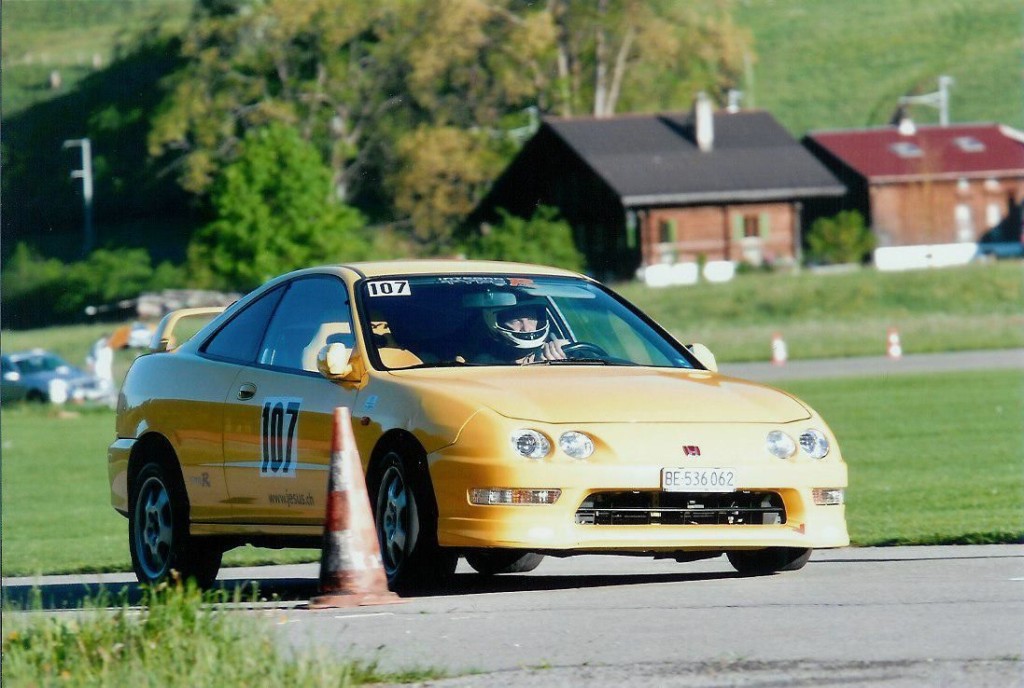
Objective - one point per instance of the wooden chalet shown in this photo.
(646, 190)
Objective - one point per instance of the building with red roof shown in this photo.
(932, 184)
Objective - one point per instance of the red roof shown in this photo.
(972, 150)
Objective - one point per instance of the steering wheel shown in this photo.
(584, 350)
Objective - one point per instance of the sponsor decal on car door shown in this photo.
(277, 446)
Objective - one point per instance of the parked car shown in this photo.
(43, 376)
(502, 412)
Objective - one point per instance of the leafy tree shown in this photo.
(42, 291)
(840, 239)
(544, 239)
(312, 65)
(275, 212)
(646, 54)
(444, 171)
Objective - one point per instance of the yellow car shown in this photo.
(502, 412)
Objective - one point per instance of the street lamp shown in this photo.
(939, 99)
(85, 174)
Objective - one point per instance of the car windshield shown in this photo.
(457, 320)
(39, 363)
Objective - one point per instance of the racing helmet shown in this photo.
(495, 319)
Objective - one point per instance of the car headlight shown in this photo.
(814, 443)
(780, 445)
(576, 444)
(530, 444)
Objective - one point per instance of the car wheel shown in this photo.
(158, 533)
(35, 397)
(493, 562)
(762, 562)
(407, 530)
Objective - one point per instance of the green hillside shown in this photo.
(815, 64)
(822, 64)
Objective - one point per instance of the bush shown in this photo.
(840, 239)
(544, 239)
(41, 291)
(276, 211)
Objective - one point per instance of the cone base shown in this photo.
(330, 600)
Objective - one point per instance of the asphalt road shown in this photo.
(894, 617)
(906, 616)
(999, 359)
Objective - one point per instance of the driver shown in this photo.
(522, 334)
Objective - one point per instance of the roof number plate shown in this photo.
(698, 479)
(389, 288)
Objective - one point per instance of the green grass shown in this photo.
(834, 65)
(932, 458)
(953, 309)
(40, 36)
(178, 638)
(56, 504)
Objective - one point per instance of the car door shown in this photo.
(279, 413)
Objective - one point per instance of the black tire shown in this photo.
(158, 535)
(36, 397)
(492, 562)
(761, 562)
(407, 529)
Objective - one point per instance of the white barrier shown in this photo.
(669, 274)
(892, 258)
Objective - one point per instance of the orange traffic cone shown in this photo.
(893, 348)
(351, 572)
(779, 351)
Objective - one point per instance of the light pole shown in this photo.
(938, 99)
(85, 174)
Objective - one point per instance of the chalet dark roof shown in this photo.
(654, 159)
(884, 154)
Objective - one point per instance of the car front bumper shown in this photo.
(555, 527)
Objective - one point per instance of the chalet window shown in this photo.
(969, 144)
(964, 222)
(993, 214)
(751, 226)
(667, 232)
(906, 149)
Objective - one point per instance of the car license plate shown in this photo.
(698, 479)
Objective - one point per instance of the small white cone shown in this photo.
(779, 352)
(893, 348)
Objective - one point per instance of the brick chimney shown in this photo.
(704, 122)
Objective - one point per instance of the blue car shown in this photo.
(43, 376)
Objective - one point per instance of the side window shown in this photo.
(240, 338)
(314, 312)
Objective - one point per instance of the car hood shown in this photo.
(593, 394)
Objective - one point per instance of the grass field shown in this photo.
(177, 638)
(844, 64)
(933, 459)
(954, 309)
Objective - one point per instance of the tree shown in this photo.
(275, 212)
(544, 238)
(312, 65)
(646, 54)
(840, 239)
(443, 172)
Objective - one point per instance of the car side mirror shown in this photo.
(335, 363)
(703, 356)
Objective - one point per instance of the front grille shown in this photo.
(681, 509)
